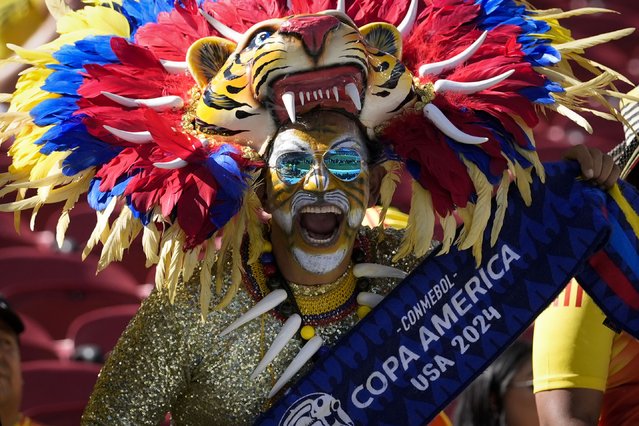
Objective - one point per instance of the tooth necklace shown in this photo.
(302, 308)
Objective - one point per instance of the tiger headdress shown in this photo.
(284, 67)
(158, 110)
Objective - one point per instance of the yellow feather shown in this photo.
(113, 246)
(523, 180)
(175, 265)
(191, 260)
(123, 231)
(150, 243)
(388, 186)
(206, 278)
(501, 199)
(573, 116)
(166, 249)
(584, 43)
(560, 14)
(449, 226)
(64, 220)
(594, 66)
(250, 206)
(421, 221)
(97, 20)
(481, 213)
(466, 216)
(101, 227)
(236, 259)
(57, 8)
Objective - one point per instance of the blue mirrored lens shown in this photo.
(293, 166)
(343, 163)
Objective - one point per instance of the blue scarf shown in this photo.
(449, 319)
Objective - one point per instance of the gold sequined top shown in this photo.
(168, 360)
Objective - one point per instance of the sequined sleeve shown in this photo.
(149, 366)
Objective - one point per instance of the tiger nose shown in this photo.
(311, 29)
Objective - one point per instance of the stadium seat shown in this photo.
(101, 327)
(82, 221)
(64, 414)
(9, 237)
(22, 266)
(55, 306)
(56, 383)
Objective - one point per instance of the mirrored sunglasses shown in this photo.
(343, 163)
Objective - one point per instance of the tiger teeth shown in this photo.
(288, 99)
(353, 93)
(321, 209)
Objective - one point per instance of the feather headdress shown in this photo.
(110, 109)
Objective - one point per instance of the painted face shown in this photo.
(317, 189)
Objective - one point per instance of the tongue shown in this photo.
(319, 224)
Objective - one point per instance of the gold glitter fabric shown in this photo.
(168, 360)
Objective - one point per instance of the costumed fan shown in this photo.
(185, 122)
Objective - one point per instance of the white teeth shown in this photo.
(321, 95)
(321, 209)
(336, 93)
(288, 99)
(353, 93)
(301, 95)
(328, 94)
(308, 96)
(315, 95)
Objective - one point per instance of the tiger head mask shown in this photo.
(281, 68)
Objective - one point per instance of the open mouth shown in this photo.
(320, 225)
(330, 88)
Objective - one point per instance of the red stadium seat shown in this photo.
(82, 221)
(22, 266)
(9, 237)
(55, 306)
(65, 414)
(56, 383)
(101, 327)
(34, 349)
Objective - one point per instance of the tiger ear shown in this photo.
(384, 37)
(206, 56)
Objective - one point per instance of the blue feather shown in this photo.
(52, 111)
(91, 50)
(99, 200)
(63, 82)
(231, 182)
(141, 13)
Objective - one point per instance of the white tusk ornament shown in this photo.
(407, 23)
(438, 67)
(469, 87)
(269, 302)
(133, 137)
(290, 327)
(174, 67)
(307, 351)
(440, 121)
(221, 28)
(159, 104)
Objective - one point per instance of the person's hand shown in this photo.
(597, 167)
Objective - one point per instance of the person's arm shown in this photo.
(569, 407)
(571, 356)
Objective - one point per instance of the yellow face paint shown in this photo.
(319, 209)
